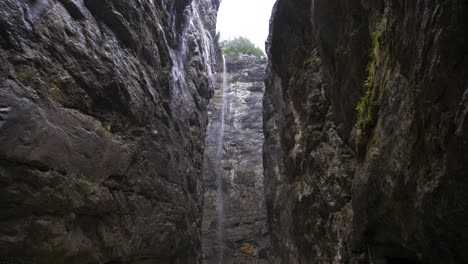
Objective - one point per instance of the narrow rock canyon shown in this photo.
(128, 137)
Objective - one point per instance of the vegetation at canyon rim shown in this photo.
(240, 45)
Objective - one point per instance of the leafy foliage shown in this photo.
(240, 45)
(368, 106)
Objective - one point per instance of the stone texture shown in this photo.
(103, 111)
(246, 237)
(308, 166)
(374, 172)
(409, 191)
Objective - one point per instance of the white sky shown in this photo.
(246, 18)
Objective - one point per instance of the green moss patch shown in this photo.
(368, 106)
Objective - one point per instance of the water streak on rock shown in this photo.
(219, 178)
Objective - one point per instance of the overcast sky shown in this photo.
(247, 18)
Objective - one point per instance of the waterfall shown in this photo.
(219, 178)
(38, 7)
(219, 145)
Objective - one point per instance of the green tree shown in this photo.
(241, 45)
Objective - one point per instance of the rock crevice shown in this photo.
(239, 164)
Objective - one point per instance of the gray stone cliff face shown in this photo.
(246, 237)
(103, 111)
(365, 122)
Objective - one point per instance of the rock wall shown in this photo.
(103, 111)
(365, 119)
(246, 237)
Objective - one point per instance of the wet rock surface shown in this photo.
(246, 237)
(365, 132)
(103, 111)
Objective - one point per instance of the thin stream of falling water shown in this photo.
(38, 7)
(219, 178)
